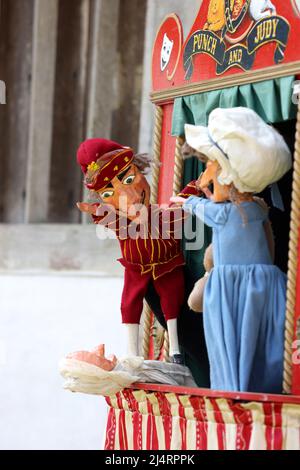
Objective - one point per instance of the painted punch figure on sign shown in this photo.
(151, 252)
(245, 293)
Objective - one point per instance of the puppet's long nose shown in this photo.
(133, 196)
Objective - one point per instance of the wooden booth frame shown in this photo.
(152, 416)
(163, 99)
(292, 306)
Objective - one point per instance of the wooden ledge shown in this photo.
(205, 392)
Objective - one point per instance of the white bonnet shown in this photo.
(252, 154)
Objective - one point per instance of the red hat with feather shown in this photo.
(101, 160)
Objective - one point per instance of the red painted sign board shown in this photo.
(228, 37)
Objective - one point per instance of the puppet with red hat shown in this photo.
(151, 251)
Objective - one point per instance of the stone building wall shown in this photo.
(73, 69)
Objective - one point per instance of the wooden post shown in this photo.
(130, 33)
(69, 114)
(147, 314)
(41, 110)
(293, 279)
(16, 20)
(101, 71)
(102, 64)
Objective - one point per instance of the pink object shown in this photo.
(95, 357)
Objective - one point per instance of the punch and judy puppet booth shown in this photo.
(239, 53)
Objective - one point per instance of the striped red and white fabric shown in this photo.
(140, 420)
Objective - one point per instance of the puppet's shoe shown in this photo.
(177, 359)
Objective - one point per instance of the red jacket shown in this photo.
(154, 246)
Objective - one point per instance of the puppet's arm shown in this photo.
(191, 189)
(176, 214)
(211, 213)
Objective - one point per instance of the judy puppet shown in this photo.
(245, 293)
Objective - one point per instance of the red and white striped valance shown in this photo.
(139, 420)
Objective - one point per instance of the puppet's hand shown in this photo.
(95, 357)
(88, 208)
(190, 190)
(196, 298)
(198, 182)
(208, 194)
(205, 190)
(178, 200)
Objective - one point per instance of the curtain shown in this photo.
(271, 99)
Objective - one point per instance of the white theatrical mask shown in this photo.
(166, 52)
(261, 9)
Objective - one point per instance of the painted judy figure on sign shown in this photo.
(233, 33)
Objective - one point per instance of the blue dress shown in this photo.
(244, 300)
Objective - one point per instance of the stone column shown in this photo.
(41, 110)
(69, 115)
(130, 34)
(16, 23)
(102, 67)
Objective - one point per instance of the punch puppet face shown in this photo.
(166, 52)
(210, 185)
(127, 193)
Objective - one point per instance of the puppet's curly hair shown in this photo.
(235, 198)
(143, 162)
